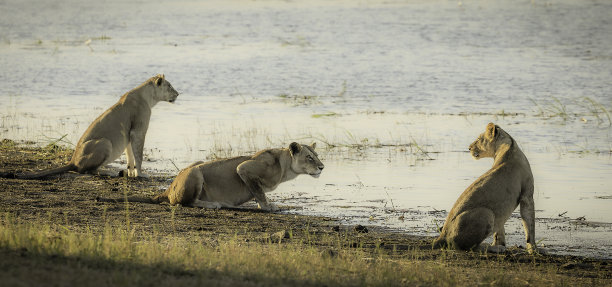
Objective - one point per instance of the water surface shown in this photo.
(393, 92)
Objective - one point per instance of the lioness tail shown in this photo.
(48, 172)
(123, 199)
(157, 199)
(163, 197)
(439, 243)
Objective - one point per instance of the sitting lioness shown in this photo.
(234, 181)
(484, 207)
(122, 127)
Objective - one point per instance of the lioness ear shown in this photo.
(491, 130)
(159, 80)
(295, 148)
(313, 145)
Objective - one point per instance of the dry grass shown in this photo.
(120, 255)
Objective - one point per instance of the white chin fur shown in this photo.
(316, 175)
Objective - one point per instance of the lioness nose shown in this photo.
(321, 167)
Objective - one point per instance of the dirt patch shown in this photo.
(85, 202)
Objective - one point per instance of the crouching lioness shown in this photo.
(483, 208)
(120, 128)
(234, 181)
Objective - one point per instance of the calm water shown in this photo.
(379, 75)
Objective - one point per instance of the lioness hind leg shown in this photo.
(206, 204)
(137, 138)
(470, 228)
(493, 249)
(186, 187)
(92, 154)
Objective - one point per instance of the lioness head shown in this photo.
(164, 90)
(304, 160)
(487, 143)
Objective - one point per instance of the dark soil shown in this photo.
(87, 201)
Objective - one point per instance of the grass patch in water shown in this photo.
(551, 109)
(584, 108)
(299, 100)
(324, 115)
(598, 110)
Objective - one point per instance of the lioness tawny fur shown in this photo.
(234, 181)
(122, 127)
(483, 208)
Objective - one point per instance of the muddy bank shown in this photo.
(79, 202)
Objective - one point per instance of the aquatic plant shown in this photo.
(597, 109)
(323, 115)
(299, 100)
(551, 109)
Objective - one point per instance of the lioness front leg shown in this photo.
(131, 161)
(137, 145)
(528, 218)
(260, 196)
(248, 172)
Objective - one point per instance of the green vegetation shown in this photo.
(299, 100)
(551, 109)
(323, 115)
(101, 38)
(583, 108)
(598, 110)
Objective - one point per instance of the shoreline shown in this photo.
(73, 202)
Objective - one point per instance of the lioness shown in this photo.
(234, 181)
(122, 127)
(484, 206)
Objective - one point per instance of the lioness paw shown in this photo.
(269, 207)
(142, 174)
(531, 248)
(497, 249)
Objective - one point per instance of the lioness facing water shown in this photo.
(120, 128)
(234, 181)
(484, 207)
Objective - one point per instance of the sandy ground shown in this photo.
(82, 201)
